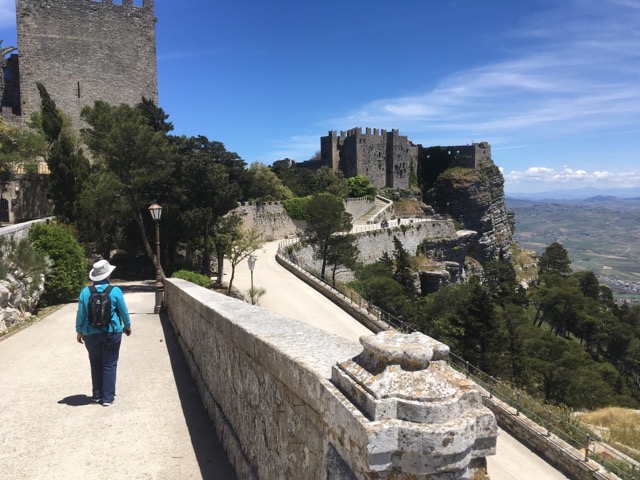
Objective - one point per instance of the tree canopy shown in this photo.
(326, 218)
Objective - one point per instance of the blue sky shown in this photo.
(553, 85)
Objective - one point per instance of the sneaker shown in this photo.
(96, 399)
(106, 404)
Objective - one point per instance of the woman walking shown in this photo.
(102, 317)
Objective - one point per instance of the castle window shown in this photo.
(78, 89)
(4, 210)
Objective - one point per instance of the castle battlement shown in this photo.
(141, 5)
(121, 6)
(389, 159)
(368, 131)
(127, 4)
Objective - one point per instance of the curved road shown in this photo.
(287, 295)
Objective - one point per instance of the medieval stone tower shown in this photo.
(387, 159)
(85, 50)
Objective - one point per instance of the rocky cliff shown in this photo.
(475, 198)
(19, 295)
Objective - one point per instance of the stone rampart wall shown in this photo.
(274, 414)
(374, 243)
(358, 207)
(270, 219)
(265, 381)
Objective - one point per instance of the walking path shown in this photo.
(156, 429)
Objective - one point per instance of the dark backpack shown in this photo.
(100, 307)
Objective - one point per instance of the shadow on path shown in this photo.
(212, 459)
(135, 288)
(77, 401)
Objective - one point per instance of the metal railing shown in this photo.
(565, 428)
(404, 221)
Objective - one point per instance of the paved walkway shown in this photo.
(156, 429)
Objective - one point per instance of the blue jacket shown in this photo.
(119, 313)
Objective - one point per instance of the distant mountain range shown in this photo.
(577, 194)
(608, 202)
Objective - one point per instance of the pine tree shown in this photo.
(404, 273)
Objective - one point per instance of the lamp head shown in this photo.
(156, 212)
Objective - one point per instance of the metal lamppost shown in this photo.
(252, 263)
(156, 213)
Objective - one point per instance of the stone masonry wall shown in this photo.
(86, 50)
(270, 219)
(373, 244)
(265, 381)
(358, 207)
(270, 409)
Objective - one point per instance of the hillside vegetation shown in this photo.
(563, 340)
(601, 235)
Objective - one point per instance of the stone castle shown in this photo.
(81, 51)
(385, 158)
(389, 159)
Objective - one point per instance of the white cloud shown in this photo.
(552, 177)
(578, 77)
(7, 13)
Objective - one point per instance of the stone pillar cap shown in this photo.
(412, 352)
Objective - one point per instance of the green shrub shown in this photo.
(361, 186)
(67, 274)
(295, 207)
(193, 277)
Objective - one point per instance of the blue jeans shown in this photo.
(104, 351)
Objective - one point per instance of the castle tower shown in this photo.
(86, 50)
(387, 159)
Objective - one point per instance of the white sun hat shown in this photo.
(101, 270)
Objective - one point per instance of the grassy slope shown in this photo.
(619, 426)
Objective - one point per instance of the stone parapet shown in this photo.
(20, 230)
(266, 381)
